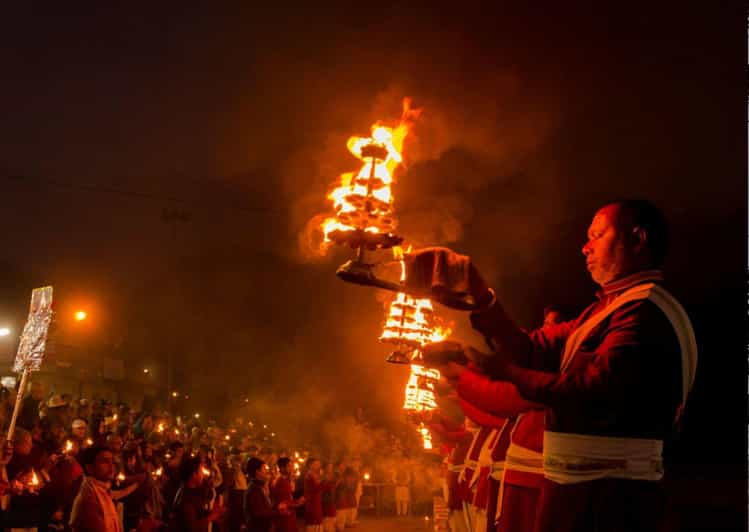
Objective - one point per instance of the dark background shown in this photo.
(238, 118)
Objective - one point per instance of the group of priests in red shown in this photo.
(563, 427)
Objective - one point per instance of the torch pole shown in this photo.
(17, 407)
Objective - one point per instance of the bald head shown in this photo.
(625, 237)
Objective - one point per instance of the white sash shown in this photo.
(670, 308)
(570, 458)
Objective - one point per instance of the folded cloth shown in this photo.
(445, 276)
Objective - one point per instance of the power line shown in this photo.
(99, 189)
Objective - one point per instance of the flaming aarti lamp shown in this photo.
(420, 398)
(363, 202)
(410, 324)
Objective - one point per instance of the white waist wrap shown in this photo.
(572, 458)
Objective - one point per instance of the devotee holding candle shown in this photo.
(93, 508)
(258, 508)
(282, 492)
(613, 381)
(192, 509)
(313, 516)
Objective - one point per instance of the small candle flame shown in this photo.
(89, 442)
(34, 479)
(160, 428)
(121, 477)
(68, 446)
(206, 472)
(158, 472)
(366, 476)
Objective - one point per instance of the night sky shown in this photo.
(238, 118)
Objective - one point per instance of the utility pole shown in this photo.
(173, 217)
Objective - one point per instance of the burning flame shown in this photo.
(363, 200)
(121, 477)
(89, 442)
(158, 472)
(411, 321)
(160, 427)
(366, 476)
(420, 389)
(68, 446)
(206, 471)
(34, 479)
(426, 436)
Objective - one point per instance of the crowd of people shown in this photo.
(81, 465)
(541, 434)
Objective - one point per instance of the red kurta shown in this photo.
(282, 491)
(624, 381)
(521, 488)
(312, 501)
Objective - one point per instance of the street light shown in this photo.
(80, 315)
(4, 331)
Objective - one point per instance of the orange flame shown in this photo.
(411, 320)
(426, 436)
(420, 389)
(34, 479)
(363, 200)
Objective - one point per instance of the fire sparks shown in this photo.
(363, 200)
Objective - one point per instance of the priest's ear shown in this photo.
(639, 239)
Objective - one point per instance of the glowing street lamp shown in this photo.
(80, 315)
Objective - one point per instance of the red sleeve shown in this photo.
(312, 486)
(629, 350)
(447, 435)
(280, 491)
(541, 349)
(259, 506)
(499, 398)
(480, 417)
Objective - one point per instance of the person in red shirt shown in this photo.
(313, 516)
(329, 484)
(345, 496)
(259, 511)
(282, 491)
(613, 381)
